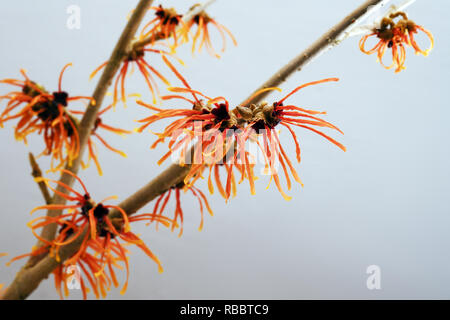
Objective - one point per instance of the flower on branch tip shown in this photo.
(396, 36)
(162, 26)
(136, 58)
(202, 20)
(45, 114)
(103, 237)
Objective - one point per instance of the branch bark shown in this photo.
(28, 279)
(37, 173)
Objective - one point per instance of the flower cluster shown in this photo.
(163, 25)
(201, 22)
(396, 36)
(39, 111)
(209, 134)
(213, 124)
(103, 238)
(166, 24)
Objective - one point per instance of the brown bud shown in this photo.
(245, 112)
(268, 111)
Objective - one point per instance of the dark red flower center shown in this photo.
(221, 112)
(61, 98)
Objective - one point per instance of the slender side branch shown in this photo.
(37, 173)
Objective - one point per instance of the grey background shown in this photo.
(384, 201)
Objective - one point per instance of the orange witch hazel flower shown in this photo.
(209, 121)
(101, 249)
(199, 112)
(163, 26)
(135, 58)
(264, 119)
(163, 199)
(234, 128)
(203, 122)
(99, 124)
(210, 135)
(202, 20)
(45, 114)
(396, 36)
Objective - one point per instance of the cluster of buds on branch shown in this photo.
(101, 249)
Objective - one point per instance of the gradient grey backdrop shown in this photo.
(385, 201)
